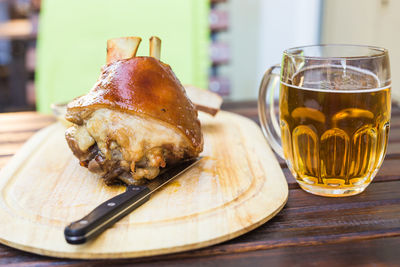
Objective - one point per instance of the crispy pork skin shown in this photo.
(136, 120)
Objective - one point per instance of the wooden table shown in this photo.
(310, 230)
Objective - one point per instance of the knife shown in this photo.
(114, 209)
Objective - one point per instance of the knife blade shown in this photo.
(114, 209)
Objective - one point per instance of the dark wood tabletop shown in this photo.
(310, 230)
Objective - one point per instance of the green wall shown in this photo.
(73, 35)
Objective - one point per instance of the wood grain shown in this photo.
(237, 186)
(366, 234)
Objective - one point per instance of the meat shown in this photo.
(112, 142)
(135, 120)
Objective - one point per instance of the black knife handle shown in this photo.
(106, 214)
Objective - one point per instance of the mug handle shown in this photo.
(266, 111)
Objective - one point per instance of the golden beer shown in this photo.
(334, 133)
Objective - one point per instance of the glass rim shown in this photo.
(380, 52)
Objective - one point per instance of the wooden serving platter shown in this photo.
(237, 186)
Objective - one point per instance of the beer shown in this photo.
(334, 126)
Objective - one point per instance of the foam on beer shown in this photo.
(339, 87)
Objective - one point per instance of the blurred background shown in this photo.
(52, 50)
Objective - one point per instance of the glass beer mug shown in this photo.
(334, 114)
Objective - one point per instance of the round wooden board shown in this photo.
(237, 186)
